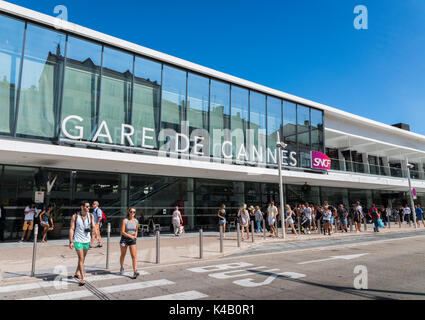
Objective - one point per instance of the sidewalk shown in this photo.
(16, 258)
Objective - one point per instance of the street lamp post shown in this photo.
(412, 202)
(280, 146)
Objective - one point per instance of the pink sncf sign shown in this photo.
(320, 161)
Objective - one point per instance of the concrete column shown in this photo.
(404, 168)
(190, 204)
(386, 163)
(369, 198)
(365, 160)
(124, 193)
(345, 198)
(421, 170)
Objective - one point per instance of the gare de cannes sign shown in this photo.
(220, 144)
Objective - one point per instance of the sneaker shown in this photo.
(21, 241)
(99, 246)
(121, 272)
(135, 275)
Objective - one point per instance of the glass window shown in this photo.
(173, 98)
(257, 125)
(274, 122)
(219, 115)
(303, 116)
(316, 119)
(41, 82)
(115, 95)
(11, 40)
(198, 101)
(147, 99)
(290, 125)
(317, 140)
(239, 120)
(81, 87)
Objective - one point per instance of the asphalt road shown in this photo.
(390, 268)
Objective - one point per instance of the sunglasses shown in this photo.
(132, 211)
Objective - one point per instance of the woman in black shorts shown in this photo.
(129, 229)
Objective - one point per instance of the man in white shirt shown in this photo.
(406, 214)
(271, 217)
(307, 214)
(28, 221)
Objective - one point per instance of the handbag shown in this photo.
(380, 223)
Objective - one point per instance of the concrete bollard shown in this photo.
(201, 244)
(252, 233)
(351, 225)
(299, 224)
(34, 250)
(238, 234)
(399, 222)
(319, 227)
(365, 223)
(158, 254)
(221, 240)
(264, 229)
(107, 245)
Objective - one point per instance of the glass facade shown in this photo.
(68, 89)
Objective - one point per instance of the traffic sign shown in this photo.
(414, 194)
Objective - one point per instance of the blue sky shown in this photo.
(307, 48)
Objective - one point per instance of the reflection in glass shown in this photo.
(257, 125)
(219, 115)
(173, 98)
(239, 119)
(290, 125)
(81, 86)
(197, 102)
(274, 122)
(303, 117)
(316, 119)
(41, 82)
(115, 98)
(146, 99)
(11, 40)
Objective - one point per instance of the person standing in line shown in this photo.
(327, 214)
(343, 217)
(271, 217)
(129, 229)
(313, 217)
(383, 214)
(259, 219)
(28, 222)
(222, 218)
(375, 216)
(251, 211)
(396, 215)
(308, 215)
(388, 214)
(82, 225)
(46, 221)
(2, 222)
(177, 221)
(97, 214)
(243, 216)
(357, 211)
(407, 212)
(419, 215)
(289, 214)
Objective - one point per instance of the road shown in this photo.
(391, 268)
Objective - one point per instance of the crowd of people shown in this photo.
(306, 217)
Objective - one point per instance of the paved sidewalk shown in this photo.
(16, 258)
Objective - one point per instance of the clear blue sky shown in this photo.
(307, 48)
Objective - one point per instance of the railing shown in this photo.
(366, 168)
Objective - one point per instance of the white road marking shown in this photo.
(231, 274)
(40, 285)
(111, 289)
(347, 257)
(249, 283)
(221, 267)
(188, 295)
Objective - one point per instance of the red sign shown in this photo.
(320, 161)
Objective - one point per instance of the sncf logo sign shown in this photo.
(320, 161)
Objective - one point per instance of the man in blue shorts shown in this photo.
(419, 215)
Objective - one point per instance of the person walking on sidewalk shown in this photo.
(343, 217)
(222, 218)
(28, 222)
(243, 216)
(419, 215)
(46, 221)
(259, 217)
(177, 221)
(129, 229)
(384, 215)
(82, 225)
(289, 214)
(98, 215)
(374, 213)
(407, 211)
(271, 217)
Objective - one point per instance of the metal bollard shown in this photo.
(264, 229)
(238, 234)
(319, 227)
(351, 225)
(34, 250)
(365, 223)
(252, 233)
(157, 248)
(399, 222)
(107, 246)
(389, 222)
(336, 225)
(299, 225)
(201, 244)
(221, 240)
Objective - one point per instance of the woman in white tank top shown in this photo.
(177, 221)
